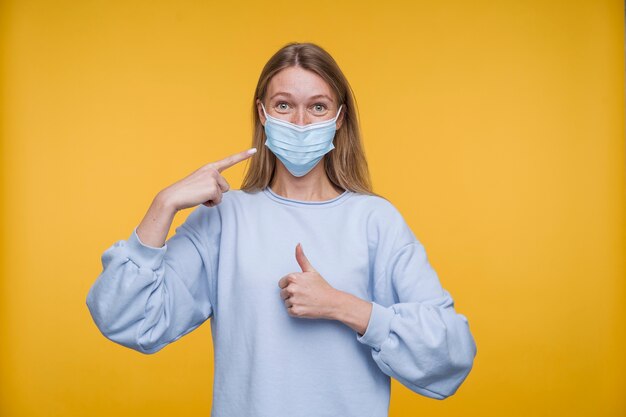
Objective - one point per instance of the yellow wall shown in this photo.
(495, 127)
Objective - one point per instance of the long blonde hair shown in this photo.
(345, 165)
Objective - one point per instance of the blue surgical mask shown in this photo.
(299, 148)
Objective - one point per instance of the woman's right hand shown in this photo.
(203, 186)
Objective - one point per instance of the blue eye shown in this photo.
(280, 104)
(319, 107)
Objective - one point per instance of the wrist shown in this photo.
(352, 311)
(164, 203)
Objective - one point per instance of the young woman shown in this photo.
(318, 290)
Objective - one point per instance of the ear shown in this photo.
(260, 110)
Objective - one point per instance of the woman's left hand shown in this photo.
(306, 294)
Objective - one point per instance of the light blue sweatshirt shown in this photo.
(224, 263)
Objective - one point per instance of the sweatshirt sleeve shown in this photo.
(147, 297)
(414, 332)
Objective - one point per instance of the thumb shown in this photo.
(302, 260)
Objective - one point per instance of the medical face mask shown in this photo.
(299, 148)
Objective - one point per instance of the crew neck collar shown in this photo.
(304, 203)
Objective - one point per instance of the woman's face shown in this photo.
(301, 97)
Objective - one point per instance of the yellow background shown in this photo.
(496, 128)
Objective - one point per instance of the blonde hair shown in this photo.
(345, 165)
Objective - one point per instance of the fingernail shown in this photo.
(252, 151)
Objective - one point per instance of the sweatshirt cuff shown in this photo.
(143, 255)
(378, 327)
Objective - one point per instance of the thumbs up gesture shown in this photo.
(306, 294)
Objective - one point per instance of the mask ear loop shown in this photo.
(264, 112)
(338, 112)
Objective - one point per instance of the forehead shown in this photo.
(300, 83)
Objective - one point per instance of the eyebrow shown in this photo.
(282, 93)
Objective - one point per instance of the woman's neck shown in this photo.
(314, 186)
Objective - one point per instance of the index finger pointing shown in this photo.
(229, 161)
